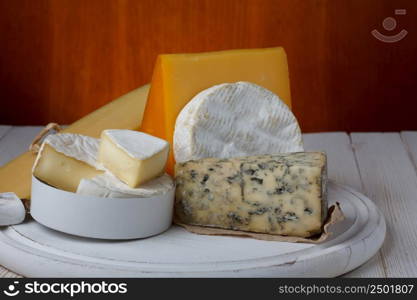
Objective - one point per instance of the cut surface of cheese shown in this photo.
(235, 119)
(281, 194)
(109, 186)
(122, 113)
(64, 159)
(133, 157)
(177, 78)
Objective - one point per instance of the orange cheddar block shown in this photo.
(177, 78)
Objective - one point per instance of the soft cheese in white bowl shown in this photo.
(109, 186)
(73, 193)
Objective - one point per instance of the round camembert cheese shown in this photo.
(235, 119)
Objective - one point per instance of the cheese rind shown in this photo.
(109, 186)
(281, 194)
(64, 159)
(12, 210)
(235, 119)
(133, 157)
(177, 78)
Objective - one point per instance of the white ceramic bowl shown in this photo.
(96, 217)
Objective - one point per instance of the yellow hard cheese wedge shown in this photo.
(177, 78)
(134, 157)
(122, 113)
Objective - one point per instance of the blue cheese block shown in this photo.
(282, 194)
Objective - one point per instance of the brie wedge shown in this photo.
(108, 186)
(133, 157)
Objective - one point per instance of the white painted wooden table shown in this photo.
(382, 166)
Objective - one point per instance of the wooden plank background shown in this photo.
(61, 59)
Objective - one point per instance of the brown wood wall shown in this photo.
(60, 59)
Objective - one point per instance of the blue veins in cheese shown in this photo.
(70, 162)
(283, 194)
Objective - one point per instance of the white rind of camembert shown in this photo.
(132, 156)
(64, 159)
(235, 119)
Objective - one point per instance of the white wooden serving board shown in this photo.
(33, 250)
